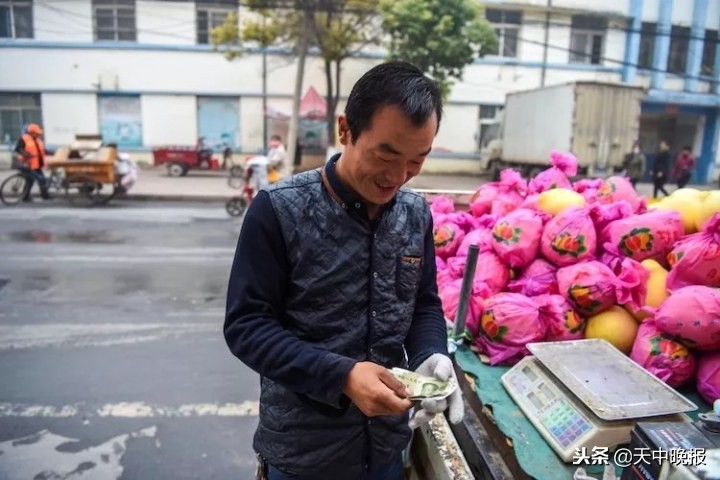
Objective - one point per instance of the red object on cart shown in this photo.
(180, 159)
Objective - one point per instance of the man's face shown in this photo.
(386, 155)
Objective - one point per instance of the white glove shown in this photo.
(439, 366)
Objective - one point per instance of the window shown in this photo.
(647, 45)
(209, 17)
(120, 119)
(489, 128)
(679, 46)
(16, 19)
(507, 28)
(709, 48)
(16, 111)
(114, 20)
(587, 39)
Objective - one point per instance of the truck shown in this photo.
(597, 122)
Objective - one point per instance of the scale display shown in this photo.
(564, 421)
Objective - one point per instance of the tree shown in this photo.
(336, 28)
(440, 37)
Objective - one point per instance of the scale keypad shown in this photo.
(565, 423)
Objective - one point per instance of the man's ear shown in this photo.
(343, 130)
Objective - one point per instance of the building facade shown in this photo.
(142, 72)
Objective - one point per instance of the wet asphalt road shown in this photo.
(112, 361)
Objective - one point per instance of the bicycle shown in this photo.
(13, 189)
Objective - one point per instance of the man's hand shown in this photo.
(376, 391)
(440, 367)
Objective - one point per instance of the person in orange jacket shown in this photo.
(31, 157)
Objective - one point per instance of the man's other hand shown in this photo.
(376, 391)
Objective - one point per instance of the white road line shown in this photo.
(247, 408)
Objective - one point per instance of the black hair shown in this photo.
(276, 137)
(395, 83)
(687, 147)
(112, 145)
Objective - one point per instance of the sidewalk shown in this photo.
(206, 186)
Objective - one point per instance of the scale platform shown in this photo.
(586, 393)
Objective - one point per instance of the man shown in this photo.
(684, 166)
(277, 156)
(661, 166)
(31, 158)
(333, 283)
(635, 164)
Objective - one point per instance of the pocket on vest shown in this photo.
(408, 273)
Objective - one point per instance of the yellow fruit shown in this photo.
(558, 200)
(687, 205)
(656, 285)
(709, 206)
(689, 193)
(616, 326)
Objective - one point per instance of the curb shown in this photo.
(149, 197)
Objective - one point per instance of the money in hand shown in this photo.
(422, 387)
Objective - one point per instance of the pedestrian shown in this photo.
(660, 169)
(635, 164)
(31, 160)
(684, 166)
(333, 283)
(277, 159)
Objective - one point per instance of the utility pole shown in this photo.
(264, 93)
(308, 16)
(545, 44)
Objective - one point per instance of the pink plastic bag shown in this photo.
(511, 192)
(569, 237)
(508, 323)
(442, 204)
(447, 237)
(590, 287)
(564, 165)
(482, 237)
(563, 322)
(632, 277)
(450, 296)
(708, 377)
(649, 235)
(489, 270)
(695, 260)
(615, 189)
(440, 264)
(464, 220)
(517, 237)
(538, 278)
(482, 200)
(588, 188)
(692, 314)
(669, 360)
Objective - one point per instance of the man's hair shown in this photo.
(687, 147)
(276, 137)
(398, 84)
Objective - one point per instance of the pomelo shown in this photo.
(616, 326)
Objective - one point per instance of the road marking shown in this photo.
(97, 334)
(42, 456)
(247, 408)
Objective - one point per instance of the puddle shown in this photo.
(43, 236)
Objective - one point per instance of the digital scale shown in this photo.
(586, 393)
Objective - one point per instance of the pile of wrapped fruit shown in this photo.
(562, 260)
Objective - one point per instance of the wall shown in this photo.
(165, 22)
(169, 120)
(67, 114)
(63, 21)
(458, 118)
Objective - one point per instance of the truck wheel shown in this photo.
(176, 170)
(494, 168)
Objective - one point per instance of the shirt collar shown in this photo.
(351, 202)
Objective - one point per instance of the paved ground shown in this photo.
(112, 360)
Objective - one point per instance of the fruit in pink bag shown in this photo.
(447, 237)
(666, 358)
(656, 286)
(708, 376)
(616, 326)
(692, 314)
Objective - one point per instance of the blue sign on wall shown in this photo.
(219, 121)
(120, 120)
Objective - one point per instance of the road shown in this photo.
(112, 360)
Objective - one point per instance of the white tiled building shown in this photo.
(141, 72)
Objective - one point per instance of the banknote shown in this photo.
(422, 387)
